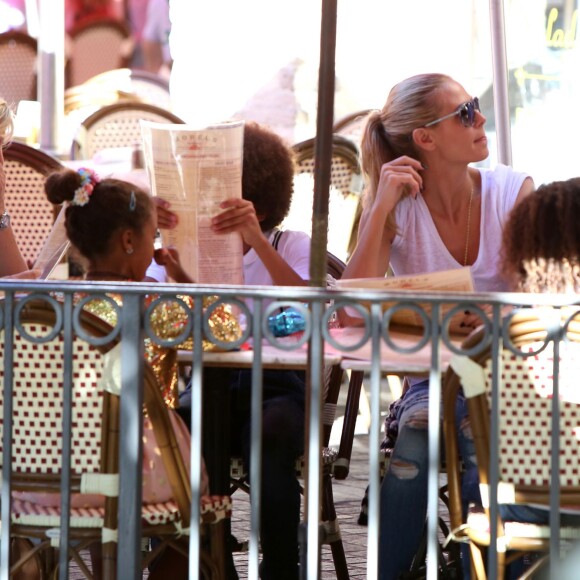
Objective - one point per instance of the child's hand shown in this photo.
(166, 219)
(169, 258)
(239, 216)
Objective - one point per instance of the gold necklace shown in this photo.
(468, 226)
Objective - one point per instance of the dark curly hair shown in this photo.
(110, 208)
(268, 175)
(541, 239)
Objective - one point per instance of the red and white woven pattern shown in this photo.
(29, 513)
(119, 129)
(37, 404)
(525, 417)
(95, 50)
(26, 202)
(214, 508)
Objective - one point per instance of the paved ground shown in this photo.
(347, 496)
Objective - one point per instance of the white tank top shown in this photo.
(418, 248)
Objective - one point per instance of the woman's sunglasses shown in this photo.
(465, 112)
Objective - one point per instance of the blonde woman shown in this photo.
(426, 210)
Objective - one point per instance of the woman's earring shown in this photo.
(129, 251)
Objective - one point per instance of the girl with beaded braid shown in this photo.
(112, 224)
(426, 210)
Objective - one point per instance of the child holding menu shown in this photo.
(271, 257)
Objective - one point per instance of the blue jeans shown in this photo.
(404, 487)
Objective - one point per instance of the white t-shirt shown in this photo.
(293, 246)
(418, 247)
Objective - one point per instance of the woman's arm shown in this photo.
(12, 261)
(373, 250)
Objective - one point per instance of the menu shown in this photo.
(195, 170)
(456, 280)
(54, 248)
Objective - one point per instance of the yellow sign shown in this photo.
(560, 38)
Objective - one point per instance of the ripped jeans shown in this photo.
(404, 487)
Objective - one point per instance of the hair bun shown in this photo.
(61, 186)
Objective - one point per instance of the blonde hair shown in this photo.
(388, 133)
(6, 123)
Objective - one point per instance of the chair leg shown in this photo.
(332, 530)
(25, 561)
(500, 565)
(217, 545)
(477, 564)
(109, 562)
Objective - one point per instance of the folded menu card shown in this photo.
(195, 170)
(457, 280)
(54, 248)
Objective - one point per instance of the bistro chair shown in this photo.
(525, 409)
(86, 99)
(31, 213)
(352, 125)
(344, 196)
(37, 442)
(18, 67)
(147, 86)
(116, 125)
(95, 46)
(335, 463)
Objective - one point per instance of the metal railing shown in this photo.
(436, 311)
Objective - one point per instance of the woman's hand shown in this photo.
(239, 215)
(166, 219)
(169, 258)
(2, 178)
(398, 178)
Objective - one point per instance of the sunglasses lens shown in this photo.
(467, 112)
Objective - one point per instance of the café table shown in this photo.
(216, 374)
(392, 360)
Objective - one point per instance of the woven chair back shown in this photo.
(147, 86)
(18, 67)
(97, 46)
(31, 213)
(525, 412)
(38, 394)
(526, 378)
(344, 197)
(352, 126)
(116, 125)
